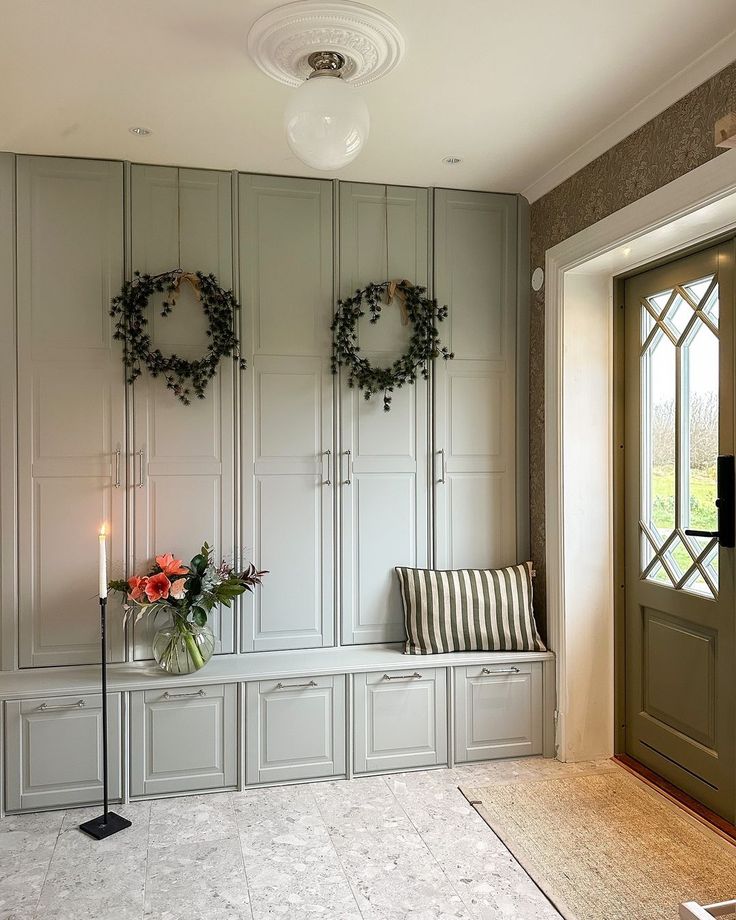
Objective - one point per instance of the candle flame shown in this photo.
(103, 532)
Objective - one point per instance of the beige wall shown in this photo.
(675, 142)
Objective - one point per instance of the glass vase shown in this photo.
(183, 648)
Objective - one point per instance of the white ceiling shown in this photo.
(526, 91)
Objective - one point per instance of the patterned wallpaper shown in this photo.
(668, 146)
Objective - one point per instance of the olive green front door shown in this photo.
(679, 568)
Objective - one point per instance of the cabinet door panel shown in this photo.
(71, 423)
(288, 399)
(183, 456)
(400, 719)
(54, 751)
(383, 455)
(474, 463)
(295, 729)
(498, 711)
(183, 739)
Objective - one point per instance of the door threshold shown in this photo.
(684, 801)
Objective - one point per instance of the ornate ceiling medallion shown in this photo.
(281, 41)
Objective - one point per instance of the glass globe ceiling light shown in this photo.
(326, 120)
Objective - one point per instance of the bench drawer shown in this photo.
(183, 739)
(53, 751)
(295, 729)
(400, 719)
(498, 711)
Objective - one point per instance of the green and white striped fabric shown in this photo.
(468, 610)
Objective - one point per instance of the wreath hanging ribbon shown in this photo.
(419, 311)
(183, 377)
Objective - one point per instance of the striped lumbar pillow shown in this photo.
(469, 610)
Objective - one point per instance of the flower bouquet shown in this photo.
(186, 594)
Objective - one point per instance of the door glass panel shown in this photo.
(658, 417)
(679, 435)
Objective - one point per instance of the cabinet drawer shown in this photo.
(53, 751)
(400, 719)
(295, 729)
(498, 711)
(183, 739)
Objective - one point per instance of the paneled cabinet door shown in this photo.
(183, 739)
(498, 711)
(53, 751)
(474, 468)
(295, 729)
(400, 719)
(183, 456)
(71, 421)
(383, 458)
(288, 450)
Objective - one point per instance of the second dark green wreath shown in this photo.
(422, 313)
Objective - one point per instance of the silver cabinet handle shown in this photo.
(443, 468)
(328, 481)
(349, 457)
(280, 686)
(44, 707)
(181, 696)
(140, 468)
(414, 676)
(116, 481)
(512, 670)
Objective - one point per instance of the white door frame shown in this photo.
(579, 432)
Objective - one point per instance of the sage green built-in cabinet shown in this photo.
(182, 458)
(183, 739)
(288, 405)
(475, 394)
(383, 456)
(70, 402)
(53, 751)
(295, 729)
(400, 719)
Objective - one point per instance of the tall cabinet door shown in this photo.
(288, 447)
(382, 466)
(71, 423)
(182, 457)
(474, 468)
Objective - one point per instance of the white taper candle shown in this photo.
(103, 562)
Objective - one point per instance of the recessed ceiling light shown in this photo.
(140, 131)
(452, 161)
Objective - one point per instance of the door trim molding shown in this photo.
(687, 211)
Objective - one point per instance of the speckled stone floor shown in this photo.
(378, 848)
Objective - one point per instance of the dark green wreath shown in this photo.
(183, 377)
(422, 313)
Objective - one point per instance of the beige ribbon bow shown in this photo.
(193, 282)
(392, 290)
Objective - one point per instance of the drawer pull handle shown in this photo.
(443, 467)
(513, 670)
(116, 482)
(44, 707)
(280, 686)
(348, 481)
(140, 468)
(414, 676)
(181, 696)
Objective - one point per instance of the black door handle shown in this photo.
(725, 503)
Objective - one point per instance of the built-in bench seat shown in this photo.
(268, 717)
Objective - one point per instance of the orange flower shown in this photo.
(177, 588)
(170, 566)
(157, 587)
(137, 585)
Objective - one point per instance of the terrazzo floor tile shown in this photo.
(191, 819)
(401, 847)
(197, 880)
(317, 901)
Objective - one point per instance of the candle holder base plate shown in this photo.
(105, 825)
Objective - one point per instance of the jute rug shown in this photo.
(605, 846)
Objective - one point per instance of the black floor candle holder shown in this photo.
(108, 823)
